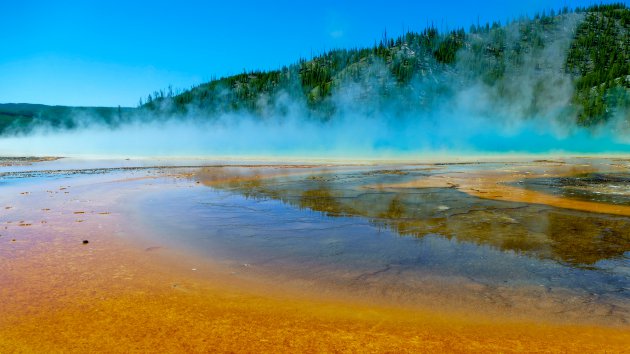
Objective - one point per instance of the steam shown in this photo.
(442, 111)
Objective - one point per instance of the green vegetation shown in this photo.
(447, 49)
(600, 57)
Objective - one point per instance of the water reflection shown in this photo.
(579, 239)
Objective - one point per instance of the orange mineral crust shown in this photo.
(114, 298)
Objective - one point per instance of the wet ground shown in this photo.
(345, 228)
(613, 187)
(476, 238)
(24, 161)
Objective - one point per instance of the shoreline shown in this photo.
(430, 157)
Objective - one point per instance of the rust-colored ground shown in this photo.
(115, 296)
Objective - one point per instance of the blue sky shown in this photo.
(109, 53)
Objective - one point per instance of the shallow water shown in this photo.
(344, 228)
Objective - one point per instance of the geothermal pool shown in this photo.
(346, 229)
(536, 242)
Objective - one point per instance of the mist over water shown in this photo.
(447, 110)
(346, 136)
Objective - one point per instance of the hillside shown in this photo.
(522, 64)
(600, 59)
(568, 65)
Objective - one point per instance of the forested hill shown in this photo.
(524, 62)
(570, 64)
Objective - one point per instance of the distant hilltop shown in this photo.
(569, 65)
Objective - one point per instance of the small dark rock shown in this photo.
(85, 242)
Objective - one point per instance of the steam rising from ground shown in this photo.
(350, 135)
(448, 110)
